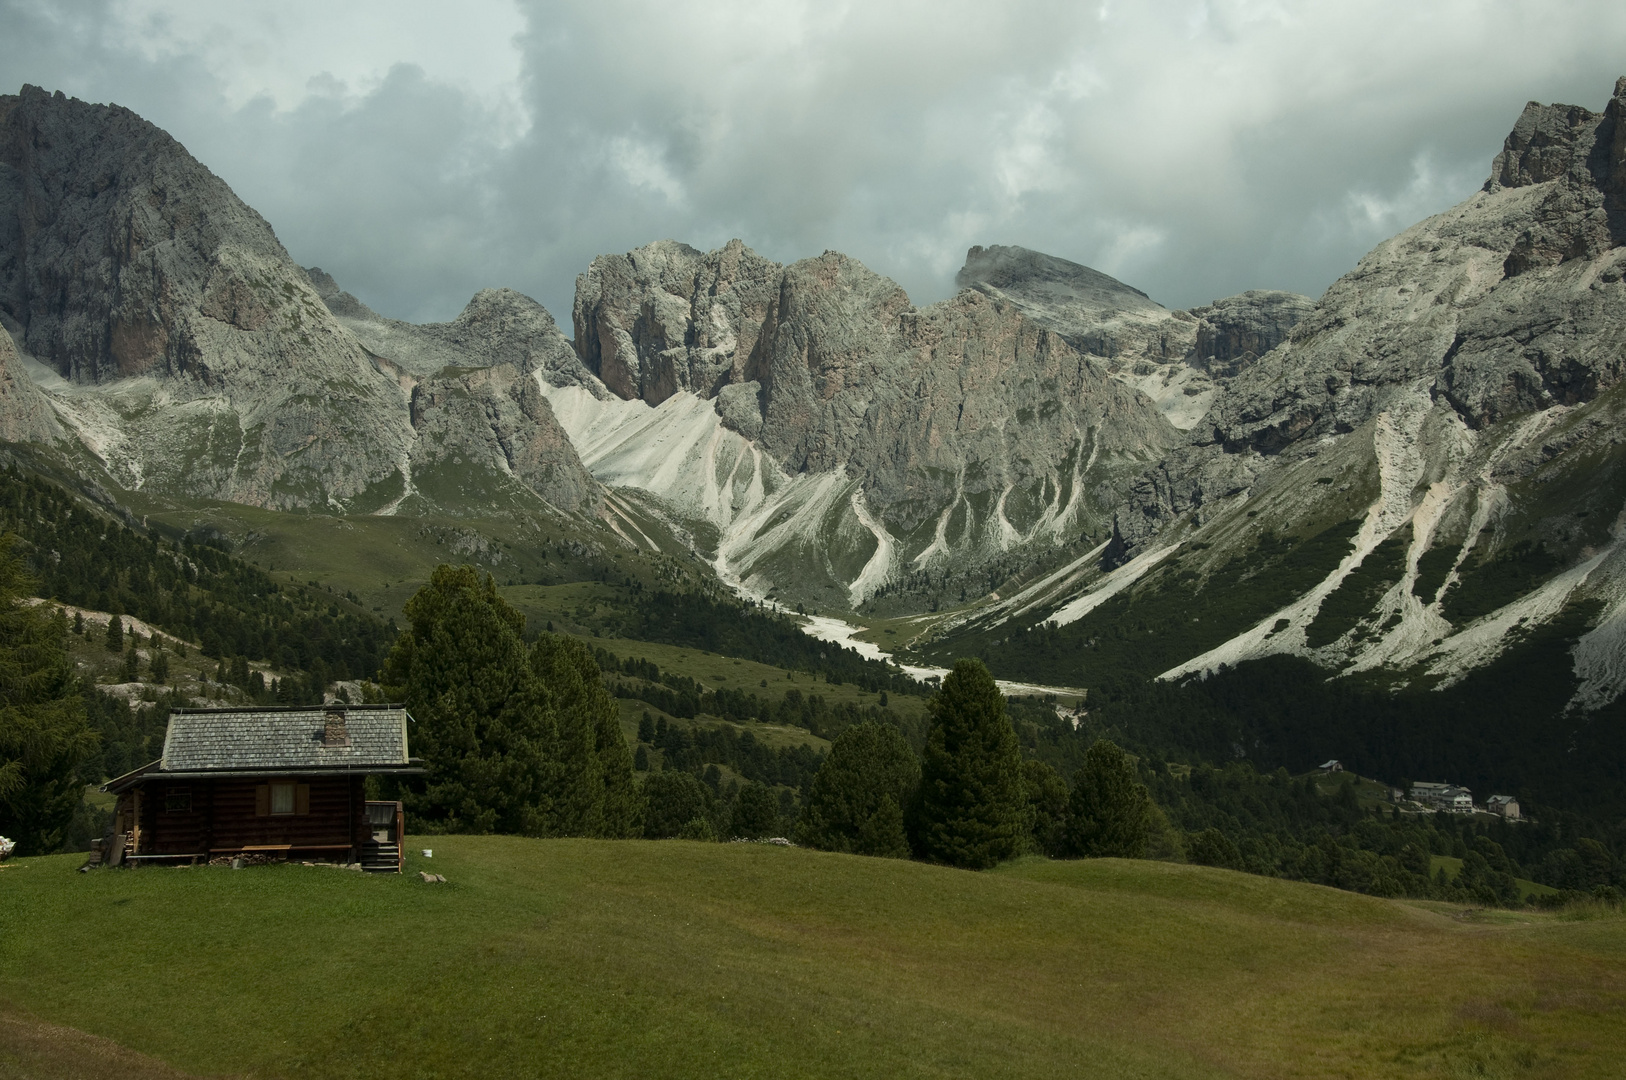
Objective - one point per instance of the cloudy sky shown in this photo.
(421, 151)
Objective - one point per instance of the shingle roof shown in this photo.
(211, 740)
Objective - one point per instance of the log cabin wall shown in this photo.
(183, 817)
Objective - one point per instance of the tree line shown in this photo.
(187, 586)
(682, 696)
(752, 632)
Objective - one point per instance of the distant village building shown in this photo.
(1457, 800)
(267, 782)
(1331, 766)
(1505, 805)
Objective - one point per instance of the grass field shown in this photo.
(593, 958)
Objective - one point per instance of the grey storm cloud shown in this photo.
(421, 152)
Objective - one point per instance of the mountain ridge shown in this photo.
(1048, 448)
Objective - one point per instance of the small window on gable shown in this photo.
(178, 801)
(282, 798)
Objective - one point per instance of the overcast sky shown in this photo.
(419, 152)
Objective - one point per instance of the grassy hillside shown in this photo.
(592, 958)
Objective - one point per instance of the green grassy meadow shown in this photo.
(598, 958)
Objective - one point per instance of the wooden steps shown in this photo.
(381, 858)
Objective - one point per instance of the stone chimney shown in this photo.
(333, 732)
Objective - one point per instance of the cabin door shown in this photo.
(381, 821)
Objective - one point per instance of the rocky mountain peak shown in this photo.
(1045, 280)
(113, 234)
(667, 317)
(1548, 141)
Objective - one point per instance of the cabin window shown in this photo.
(282, 798)
(178, 801)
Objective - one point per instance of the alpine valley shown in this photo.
(1388, 524)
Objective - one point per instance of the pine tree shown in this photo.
(43, 733)
(597, 766)
(1109, 806)
(1047, 806)
(115, 635)
(868, 777)
(673, 801)
(755, 814)
(485, 724)
(971, 811)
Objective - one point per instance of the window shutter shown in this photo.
(262, 800)
(302, 799)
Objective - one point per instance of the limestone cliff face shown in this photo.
(963, 404)
(474, 399)
(1175, 358)
(497, 417)
(25, 414)
(968, 431)
(667, 317)
(173, 313)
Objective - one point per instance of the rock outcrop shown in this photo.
(497, 417)
(1234, 332)
(667, 317)
(1173, 357)
(25, 414)
(498, 326)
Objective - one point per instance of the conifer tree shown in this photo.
(1109, 806)
(598, 796)
(676, 801)
(755, 814)
(971, 811)
(115, 635)
(43, 732)
(1047, 806)
(485, 724)
(856, 801)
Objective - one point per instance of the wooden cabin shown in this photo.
(272, 782)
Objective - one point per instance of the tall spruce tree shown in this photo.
(486, 729)
(972, 809)
(678, 805)
(1047, 807)
(599, 797)
(43, 732)
(1108, 810)
(755, 814)
(856, 801)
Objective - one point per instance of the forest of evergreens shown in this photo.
(186, 586)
